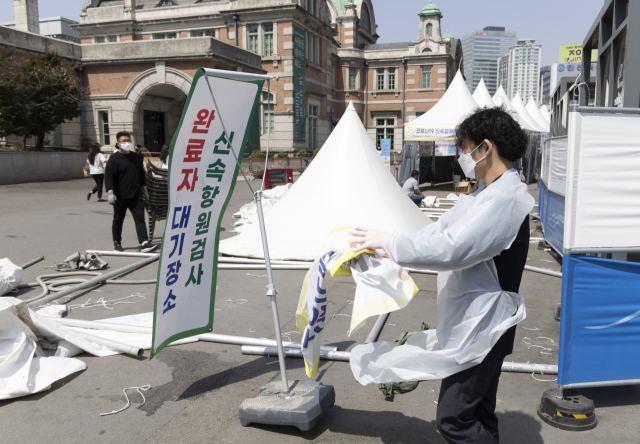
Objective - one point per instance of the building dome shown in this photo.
(339, 4)
(447, 35)
(430, 9)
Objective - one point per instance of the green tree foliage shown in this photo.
(36, 95)
(257, 154)
(281, 155)
(301, 153)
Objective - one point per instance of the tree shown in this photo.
(36, 95)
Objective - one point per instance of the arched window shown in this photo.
(429, 29)
(365, 18)
(426, 50)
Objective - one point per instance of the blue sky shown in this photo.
(551, 22)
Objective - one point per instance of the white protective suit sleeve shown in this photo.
(489, 227)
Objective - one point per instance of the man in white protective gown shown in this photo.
(479, 249)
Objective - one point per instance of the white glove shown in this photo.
(366, 238)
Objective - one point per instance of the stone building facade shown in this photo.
(139, 57)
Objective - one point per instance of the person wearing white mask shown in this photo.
(126, 185)
(479, 249)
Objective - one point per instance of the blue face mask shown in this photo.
(467, 163)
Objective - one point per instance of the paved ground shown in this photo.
(197, 388)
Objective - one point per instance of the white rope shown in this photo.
(143, 388)
(110, 303)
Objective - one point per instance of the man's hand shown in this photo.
(366, 238)
(145, 195)
(111, 198)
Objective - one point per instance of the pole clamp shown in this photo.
(271, 290)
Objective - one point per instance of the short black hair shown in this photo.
(495, 124)
(122, 134)
(415, 173)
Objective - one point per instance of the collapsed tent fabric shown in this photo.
(248, 213)
(482, 97)
(10, 275)
(545, 113)
(518, 105)
(440, 122)
(534, 112)
(346, 184)
(500, 98)
(24, 367)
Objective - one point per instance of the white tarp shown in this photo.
(482, 97)
(534, 112)
(346, 184)
(248, 213)
(440, 122)
(558, 166)
(545, 113)
(602, 200)
(546, 162)
(500, 98)
(518, 105)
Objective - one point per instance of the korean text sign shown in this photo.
(202, 176)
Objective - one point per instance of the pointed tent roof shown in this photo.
(534, 112)
(482, 96)
(451, 109)
(524, 114)
(545, 113)
(500, 98)
(330, 195)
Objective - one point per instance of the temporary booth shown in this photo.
(482, 97)
(431, 137)
(553, 183)
(600, 320)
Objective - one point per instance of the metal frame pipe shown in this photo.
(32, 262)
(344, 356)
(113, 345)
(92, 282)
(122, 253)
(377, 328)
(294, 353)
(543, 271)
(579, 385)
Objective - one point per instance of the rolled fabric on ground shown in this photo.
(113, 345)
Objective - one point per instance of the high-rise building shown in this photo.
(481, 49)
(519, 70)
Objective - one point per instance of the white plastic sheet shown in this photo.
(24, 367)
(473, 311)
(602, 200)
(248, 213)
(558, 166)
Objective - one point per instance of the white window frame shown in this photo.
(422, 72)
(215, 31)
(263, 111)
(153, 36)
(312, 124)
(101, 132)
(264, 40)
(257, 38)
(106, 39)
(386, 78)
(387, 129)
(357, 88)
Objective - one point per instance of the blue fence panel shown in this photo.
(600, 325)
(554, 220)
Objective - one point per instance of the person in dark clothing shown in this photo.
(126, 185)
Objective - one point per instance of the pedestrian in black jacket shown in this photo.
(126, 184)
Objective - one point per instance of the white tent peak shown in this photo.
(500, 98)
(351, 107)
(452, 108)
(482, 97)
(545, 113)
(534, 112)
(524, 114)
(329, 195)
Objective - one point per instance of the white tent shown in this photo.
(500, 98)
(482, 97)
(347, 184)
(440, 122)
(545, 113)
(534, 112)
(524, 114)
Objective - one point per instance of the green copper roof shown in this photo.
(339, 4)
(430, 9)
(447, 35)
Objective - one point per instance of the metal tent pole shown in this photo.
(272, 292)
